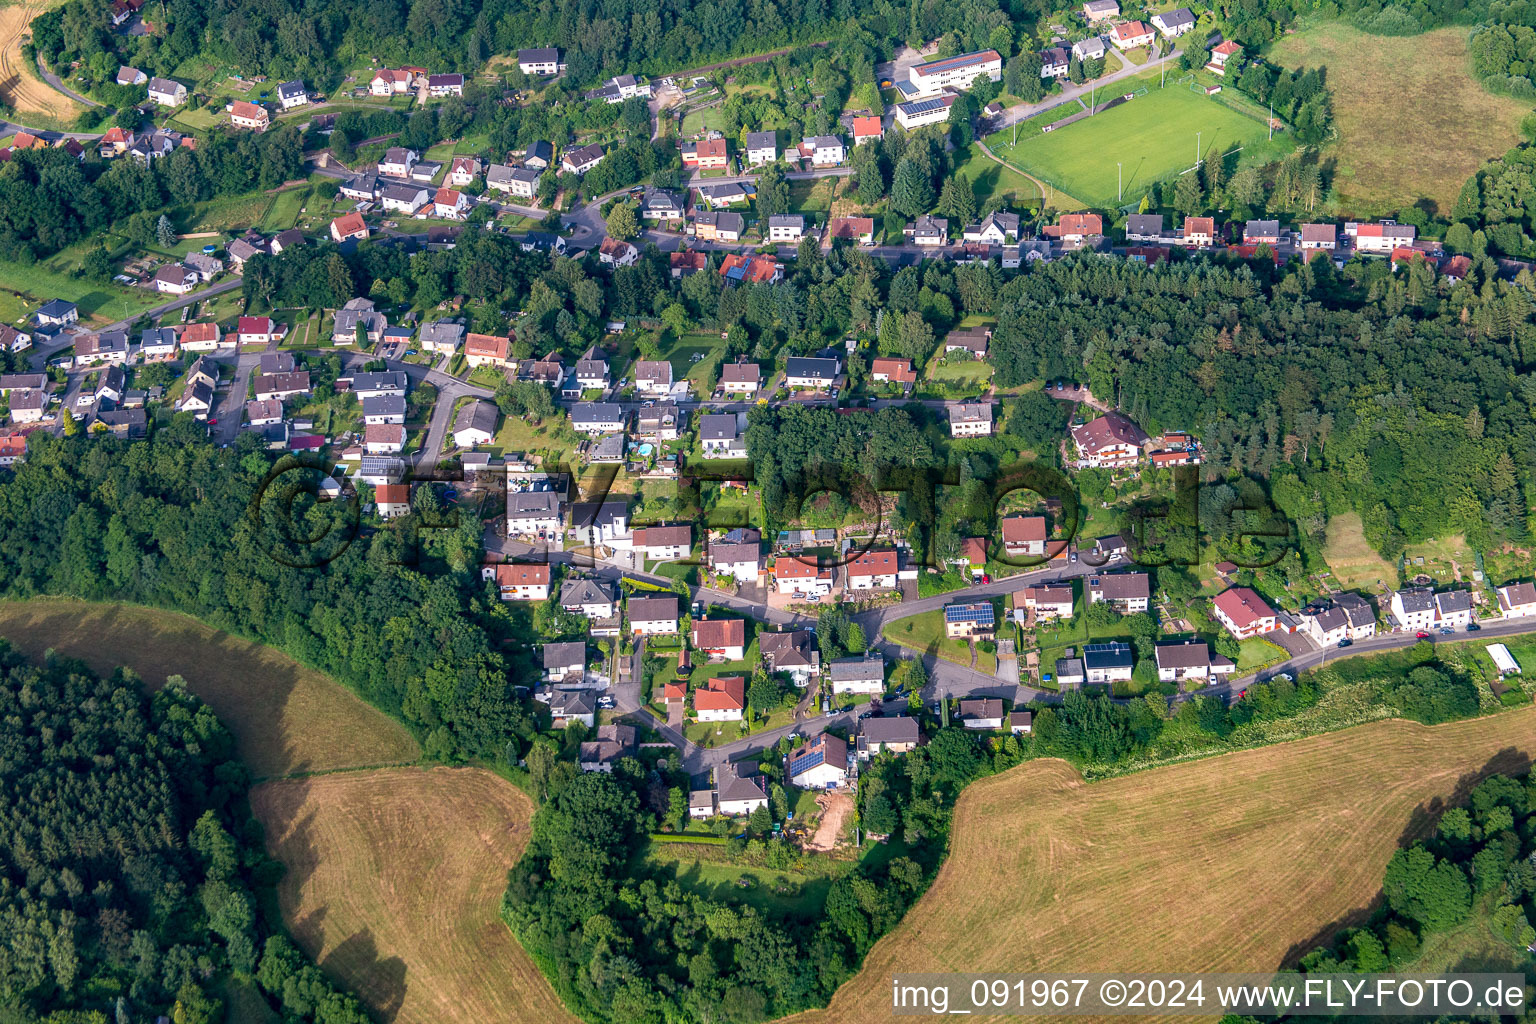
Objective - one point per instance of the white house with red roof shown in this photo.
(1244, 613)
(873, 570)
(1111, 441)
(721, 700)
(1024, 536)
(450, 203)
(1130, 34)
(1223, 53)
(254, 330)
(521, 581)
(793, 575)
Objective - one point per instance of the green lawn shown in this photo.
(970, 373)
(24, 287)
(811, 195)
(710, 118)
(781, 893)
(284, 211)
(1256, 653)
(925, 632)
(1153, 137)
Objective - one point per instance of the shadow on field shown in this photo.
(380, 980)
(1421, 823)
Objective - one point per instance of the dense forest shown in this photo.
(397, 614)
(623, 939)
(129, 859)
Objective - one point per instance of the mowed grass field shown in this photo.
(1233, 863)
(394, 886)
(1351, 558)
(1411, 119)
(1152, 137)
(285, 718)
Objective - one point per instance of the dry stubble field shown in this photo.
(286, 718)
(1235, 863)
(394, 886)
(19, 84)
(1412, 121)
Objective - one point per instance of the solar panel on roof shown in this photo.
(968, 613)
(805, 762)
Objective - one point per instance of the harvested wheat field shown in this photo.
(1235, 863)
(286, 718)
(394, 884)
(19, 85)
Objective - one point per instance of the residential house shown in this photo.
(653, 376)
(254, 330)
(1109, 442)
(898, 735)
(565, 662)
(996, 228)
(704, 155)
(597, 417)
(245, 114)
(1055, 62)
(721, 226)
(1049, 600)
(1092, 48)
(450, 203)
(157, 343)
(358, 322)
(1174, 23)
(462, 171)
(541, 61)
(1261, 232)
(601, 524)
(1453, 609)
(660, 205)
(292, 94)
(520, 181)
(206, 267)
(890, 370)
(441, 336)
(390, 82)
(474, 424)
(383, 438)
(347, 227)
(486, 349)
(792, 652)
(652, 616)
(581, 159)
(1413, 608)
(1101, 10)
(1244, 613)
(720, 436)
(615, 252)
(522, 581)
(823, 150)
(740, 377)
(1107, 663)
(821, 762)
(970, 419)
(1344, 617)
(130, 76)
(282, 385)
(1319, 236)
(98, 349)
(533, 513)
(1223, 53)
(1130, 34)
(203, 337)
(1517, 600)
(719, 639)
(392, 499)
(1076, 227)
(382, 409)
(813, 372)
(1070, 674)
(741, 560)
(873, 569)
(1180, 660)
(175, 279)
(445, 85)
(915, 114)
(738, 789)
(22, 381)
(406, 199)
(611, 743)
(970, 620)
(292, 238)
(589, 598)
(663, 543)
(28, 405)
(786, 227)
(398, 161)
(167, 93)
(264, 414)
(727, 193)
(867, 129)
(793, 575)
(111, 385)
(859, 230)
(13, 449)
(1144, 227)
(567, 706)
(1125, 592)
(1380, 238)
(592, 371)
(957, 73)
(746, 268)
(1200, 232)
(861, 673)
(1024, 536)
(115, 142)
(762, 148)
(56, 313)
(982, 713)
(928, 230)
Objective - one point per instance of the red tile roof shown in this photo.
(866, 127)
(1242, 606)
(490, 345)
(1081, 224)
(1023, 529)
(874, 563)
(254, 325)
(900, 370)
(521, 574)
(728, 694)
(393, 494)
(714, 634)
(349, 224)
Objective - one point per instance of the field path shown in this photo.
(1234, 863)
(24, 93)
(1049, 193)
(394, 885)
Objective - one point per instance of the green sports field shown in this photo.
(1152, 136)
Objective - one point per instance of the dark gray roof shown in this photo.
(1416, 599)
(1183, 654)
(761, 140)
(384, 405)
(476, 415)
(718, 427)
(533, 505)
(585, 591)
(811, 366)
(564, 655)
(596, 412)
(652, 609)
(889, 730)
(1109, 655)
(1144, 224)
(1454, 600)
(738, 782)
(858, 667)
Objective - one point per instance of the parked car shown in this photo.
(1473, 627)
(1446, 631)
(1421, 635)
(1346, 642)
